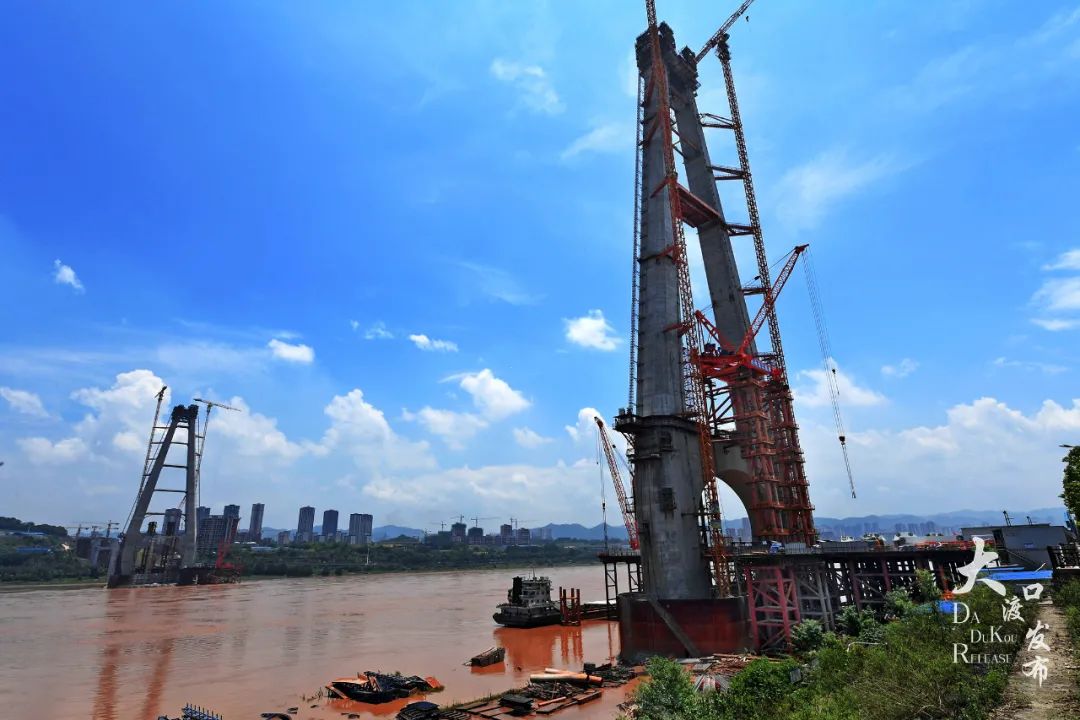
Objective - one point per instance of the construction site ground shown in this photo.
(1059, 695)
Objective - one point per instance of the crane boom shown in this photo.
(723, 29)
(616, 480)
(770, 298)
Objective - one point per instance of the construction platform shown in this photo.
(771, 594)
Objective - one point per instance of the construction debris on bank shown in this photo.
(375, 687)
(710, 673)
(547, 693)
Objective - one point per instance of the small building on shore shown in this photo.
(1021, 544)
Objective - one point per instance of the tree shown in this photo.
(1071, 482)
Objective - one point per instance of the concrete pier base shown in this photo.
(709, 626)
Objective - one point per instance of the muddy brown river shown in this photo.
(265, 646)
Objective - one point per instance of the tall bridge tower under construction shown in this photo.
(705, 404)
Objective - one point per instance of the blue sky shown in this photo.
(399, 237)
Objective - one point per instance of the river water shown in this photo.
(256, 647)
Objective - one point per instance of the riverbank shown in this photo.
(312, 561)
(62, 584)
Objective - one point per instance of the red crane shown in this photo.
(616, 480)
(717, 363)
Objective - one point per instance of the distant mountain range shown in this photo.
(954, 519)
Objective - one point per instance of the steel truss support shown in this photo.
(611, 579)
(772, 604)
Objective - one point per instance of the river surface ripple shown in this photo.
(256, 647)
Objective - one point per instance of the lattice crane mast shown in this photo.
(616, 480)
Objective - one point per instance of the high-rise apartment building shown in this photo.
(201, 513)
(329, 525)
(359, 529)
(213, 533)
(305, 527)
(255, 525)
(457, 532)
(171, 524)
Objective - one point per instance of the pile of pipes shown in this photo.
(612, 674)
(566, 676)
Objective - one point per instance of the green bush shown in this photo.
(669, 693)
(807, 636)
(927, 587)
(898, 604)
(909, 674)
(854, 622)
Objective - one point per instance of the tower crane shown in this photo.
(719, 34)
(616, 480)
(210, 405)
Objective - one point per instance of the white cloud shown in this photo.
(1047, 368)
(425, 343)
(378, 331)
(24, 401)
(985, 455)
(1059, 295)
(132, 393)
(557, 491)
(255, 435)
(816, 393)
(65, 275)
(129, 441)
(945, 79)
(584, 434)
(591, 331)
(532, 83)
(41, 451)
(498, 284)
(607, 137)
(807, 192)
(453, 427)
(361, 430)
(494, 397)
(126, 407)
(1054, 27)
(1068, 260)
(299, 353)
(585, 427)
(1055, 324)
(900, 370)
(628, 75)
(529, 438)
(354, 324)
